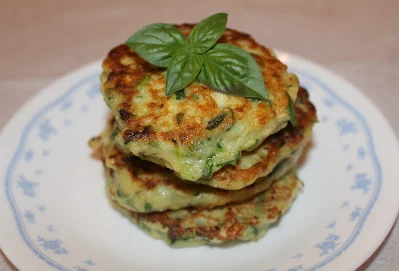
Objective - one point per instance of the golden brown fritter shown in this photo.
(196, 131)
(245, 221)
(143, 186)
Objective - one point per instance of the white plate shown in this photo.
(55, 214)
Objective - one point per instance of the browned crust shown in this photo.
(237, 216)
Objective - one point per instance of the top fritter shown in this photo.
(195, 131)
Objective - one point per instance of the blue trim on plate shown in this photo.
(377, 170)
(18, 154)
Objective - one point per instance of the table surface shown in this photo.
(42, 40)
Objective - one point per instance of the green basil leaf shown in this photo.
(205, 34)
(232, 70)
(156, 43)
(291, 110)
(183, 69)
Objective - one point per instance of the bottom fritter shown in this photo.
(245, 221)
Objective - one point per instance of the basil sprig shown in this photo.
(223, 67)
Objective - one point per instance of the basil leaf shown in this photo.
(183, 69)
(156, 43)
(291, 110)
(205, 34)
(232, 70)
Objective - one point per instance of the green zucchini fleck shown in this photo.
(152, 143)
(216, 121)
(196, 96)
(226, 118)
(228, 163)
(148, 207)
(254, 144)
(196, 146)
(291, 110)
(207, 173)
(114, 133)
(143, 82)
(180, 95)
(120, 194)
(255, 230)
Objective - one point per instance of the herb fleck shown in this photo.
(208, 168)
(291, 111)
(180, 95)
(148, 207)
(120, 194)
(114, 133)
(179, 117)
(216, 121)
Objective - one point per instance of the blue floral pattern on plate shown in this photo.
(25, 173)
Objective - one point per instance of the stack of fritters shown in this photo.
(201, 166)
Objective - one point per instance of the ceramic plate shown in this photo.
(55, 213)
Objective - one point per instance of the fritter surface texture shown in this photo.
(196, 131)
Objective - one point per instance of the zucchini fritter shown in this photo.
(196, 131)
(245, 221)
(142, 186)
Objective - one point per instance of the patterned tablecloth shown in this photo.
(42, 40)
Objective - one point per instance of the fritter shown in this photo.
(142, 186)
(261, 161)
(196, 131)
(245, 221)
